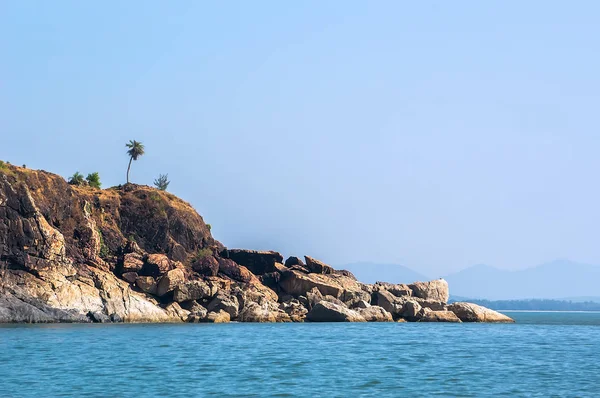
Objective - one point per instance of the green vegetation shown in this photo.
(136, 149)
(94, 180)
(209, 226)
(104, 251)
(202, 253)
(162, 182)
(2, 165)
(76, 179)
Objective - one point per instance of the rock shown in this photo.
(439, 316)
(468, 312)
(410, 310)
(434, 290)
(295, 310)
(258, 262)
(317, 266)
(325, 311)
(98, 317)
(375, 314)
(132, 262)
(218, 317)
(192, 290)
(345, 273)
(194, 308)
(398, 290)
(176, 312)
(130, 276)
(387, 301)
(169, 281)
(351, 297)
(147, 284)
(267, 312)
(294, 261)
(235, 271)
(362, 304)
(226, 303)
(156, 265)
(207, 265)
(331, 299)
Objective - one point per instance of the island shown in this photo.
(133, 253)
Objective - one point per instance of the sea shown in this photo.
(544, 354)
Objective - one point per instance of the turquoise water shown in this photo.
(544, 354)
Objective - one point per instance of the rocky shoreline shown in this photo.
(136, 254)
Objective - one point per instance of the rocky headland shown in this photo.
(137, 254)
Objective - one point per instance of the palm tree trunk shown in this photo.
(128, 167)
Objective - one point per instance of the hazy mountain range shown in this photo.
(560, 279)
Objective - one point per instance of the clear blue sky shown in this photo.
(431, 134)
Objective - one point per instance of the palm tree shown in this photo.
(136, 149)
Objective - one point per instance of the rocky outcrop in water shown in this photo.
(136, 254)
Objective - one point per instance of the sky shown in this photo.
(431, 134)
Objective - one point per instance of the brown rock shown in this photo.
(440, 316)
(267, 312)
(434, 290)
(317, 266)
(218, 317)
(468, 312)
(192, 290)
(375, 314)
(258, 262)
(156, 265)
(147, 284)
(169, 281)
(226, 303)
(294, 261)
(325, 311)
(235, 271)
(207, 265)
(132, 262)
(130, 276)
(175, 311)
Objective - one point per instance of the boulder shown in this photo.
(351, 297)
(295, 310)
(387, 301)
(132, 262)
(317, 266)
(235, 271)
(169, 281)
(267, 312)
(468, 312)
(194, 308)
(439, 316)
(207, 265)
(218, 317)
(147, 284)
(398, 290)
(156, 265)
(192, 290)
(410, 310)
(297, 284)
(345, 273)
(258, 262)
(176, 312)
(433, 290)
(130, 276)
(362, 304)
(225, 303)
(98, 317)
(375, 314)
(294, 261)
(325, 311)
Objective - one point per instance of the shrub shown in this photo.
(94, 180)
(76, 179)
(202, 253)
(209, 226)
(162, 182)
(2, 165)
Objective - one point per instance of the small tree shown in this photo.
(162, 182)
(136, 149)
(94, 180)
(76, 179)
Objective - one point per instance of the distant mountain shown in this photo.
(554, 280)
(372, 272)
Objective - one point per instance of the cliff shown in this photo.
(137, 254)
